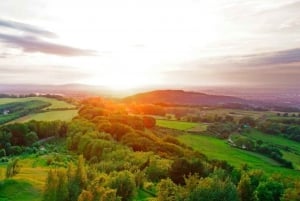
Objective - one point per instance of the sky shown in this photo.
(123, 44)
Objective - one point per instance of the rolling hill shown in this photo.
(180, 97)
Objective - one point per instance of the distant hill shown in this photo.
(180, 97)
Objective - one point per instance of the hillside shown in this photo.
(180, 97)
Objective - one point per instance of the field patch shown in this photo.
(178, 125)
(55, 104)
(64, 115)
(218, 149)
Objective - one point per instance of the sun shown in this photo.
(123, 81)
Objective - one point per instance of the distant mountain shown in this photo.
(180, 97)
(75, 90)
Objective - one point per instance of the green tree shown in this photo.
(292, 193)
(214, 189)
(73, 184)
(30, 138)
(269, 191)
(51, 186)
(244, 188)
(167, 190)
(247, 122)
(81, 175)
(85, 196)
(62, 192)
(2, 152)
(124, 183)
(183, 167)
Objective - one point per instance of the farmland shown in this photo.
(35, 108)
(55, 104)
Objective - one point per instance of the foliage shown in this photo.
(124, 183)
(269, 191)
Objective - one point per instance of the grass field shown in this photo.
(28, 185)
(218, 149)
(55, 104)
(65, 115)
(281, 143)
(178, 125)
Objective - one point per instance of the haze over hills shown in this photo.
(159, 94)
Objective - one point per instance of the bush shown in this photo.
(2, 153)
(12, 168)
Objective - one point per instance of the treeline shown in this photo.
(289, 128)
(16, 138)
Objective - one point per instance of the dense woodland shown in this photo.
(118, 151)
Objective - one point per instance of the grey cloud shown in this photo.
(272, 58)
(33, 44)
(27, 28)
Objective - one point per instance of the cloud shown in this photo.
(34, 44)
(27, 28)
(272, 58)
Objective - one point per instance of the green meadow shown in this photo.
(218, 149)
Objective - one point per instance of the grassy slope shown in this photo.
(26, 185)
(219, 149)
(179, 125)
(54, 103)
(281, 142)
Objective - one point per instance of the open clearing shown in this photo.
(218, 149)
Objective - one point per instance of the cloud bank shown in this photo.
(32, 40)
(26, 28)
(33, 44)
